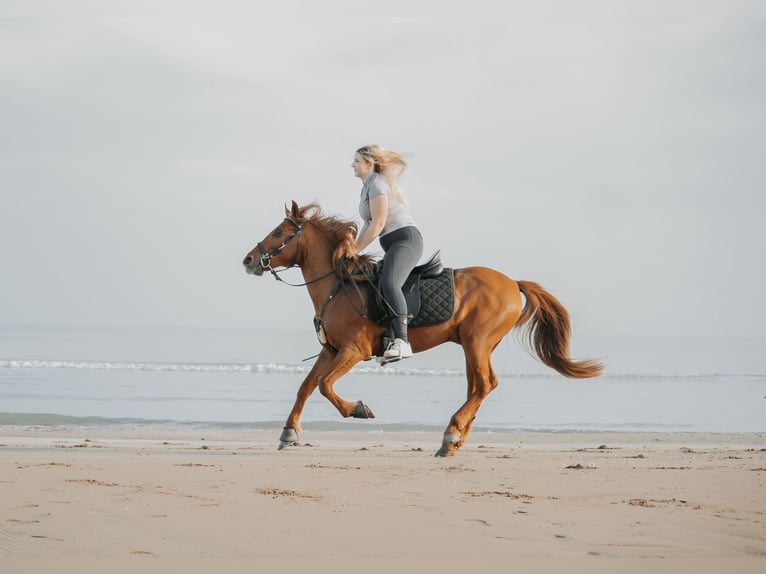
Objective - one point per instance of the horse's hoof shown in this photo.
(449, 445)
(289, 437)
(362, 411)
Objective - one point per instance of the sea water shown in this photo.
(79, 376)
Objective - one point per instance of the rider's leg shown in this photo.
(403, 248)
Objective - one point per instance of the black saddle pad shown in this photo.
(430, 300)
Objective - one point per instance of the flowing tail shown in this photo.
(547, 330)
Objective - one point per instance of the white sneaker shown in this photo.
(397, 351)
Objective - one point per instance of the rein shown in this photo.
(278, 278)
(267, 257)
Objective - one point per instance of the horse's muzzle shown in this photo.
(252, 266)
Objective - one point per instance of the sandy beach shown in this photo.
(375, 500)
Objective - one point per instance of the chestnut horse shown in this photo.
(487, 306)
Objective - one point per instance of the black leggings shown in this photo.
(403, 249)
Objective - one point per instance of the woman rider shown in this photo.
(386, 216)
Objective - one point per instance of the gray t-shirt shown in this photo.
(398, 212)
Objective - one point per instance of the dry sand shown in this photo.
(375, 501)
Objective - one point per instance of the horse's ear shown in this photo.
(295, 211)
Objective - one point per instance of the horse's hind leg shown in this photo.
(481, 381)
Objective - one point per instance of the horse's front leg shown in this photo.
(328, 368)
(343, 362)
(292, 430)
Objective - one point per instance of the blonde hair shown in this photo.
(389, 164)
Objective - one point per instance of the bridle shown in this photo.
(267, 257)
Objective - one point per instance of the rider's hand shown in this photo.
(346, 250)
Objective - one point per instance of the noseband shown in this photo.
(267, 257)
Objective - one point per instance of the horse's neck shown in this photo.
(313, 267)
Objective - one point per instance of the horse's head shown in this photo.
(332, 240)
(280, 248)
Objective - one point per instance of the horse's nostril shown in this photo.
(248, 260)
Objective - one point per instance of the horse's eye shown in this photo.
(277, 232)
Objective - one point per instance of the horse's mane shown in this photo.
(342, 234)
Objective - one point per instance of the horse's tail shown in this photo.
(547, 330)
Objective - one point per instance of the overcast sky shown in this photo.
(612, 153)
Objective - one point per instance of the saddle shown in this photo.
(429, 292)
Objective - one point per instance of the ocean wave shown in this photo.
(283, 368)
(278, 368)
(139, 366)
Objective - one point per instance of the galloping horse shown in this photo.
(487, 305)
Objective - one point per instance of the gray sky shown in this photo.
(609, 152)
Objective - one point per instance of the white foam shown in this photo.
(284, 368)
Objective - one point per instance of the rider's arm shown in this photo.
(372, 229)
